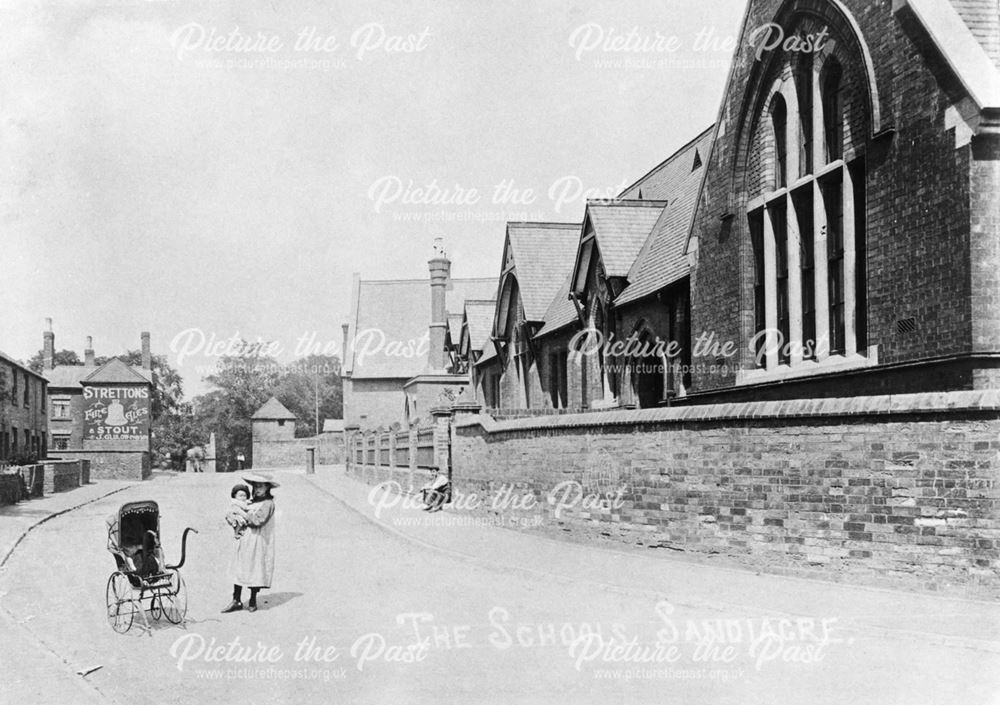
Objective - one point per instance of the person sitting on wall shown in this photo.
(435, 492)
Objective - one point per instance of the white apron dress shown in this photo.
(253, 557)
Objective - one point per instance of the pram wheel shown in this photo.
(121, 608)
(173, 601)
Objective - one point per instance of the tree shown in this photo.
(63, 357)
(168, 392)
(243, 384)
(306, 382)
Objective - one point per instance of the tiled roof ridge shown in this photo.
(539, 224)
(676, 155)
(636, 202)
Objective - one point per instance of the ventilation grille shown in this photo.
(906, 325)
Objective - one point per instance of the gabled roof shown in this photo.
(982, 17)
(961, 30)
(388, 330)
(73, 376)
(489, 353)
(561, 311)
(543, 255)
(478, 320)
(455, 327)
(661, 260)
(273, 410)
(24, 368)
(114, 371)
(621, 227)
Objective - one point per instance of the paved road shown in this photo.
(401, 622)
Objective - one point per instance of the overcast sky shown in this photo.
(226, 166)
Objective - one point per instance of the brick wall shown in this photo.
(880, 489)
(923, 197)
(61, 476)
(111, 465)
(329, 451)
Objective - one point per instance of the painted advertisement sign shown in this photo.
(116, 413)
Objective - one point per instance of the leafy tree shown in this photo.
(306, 382)
(243, 384)
(62, 357)
(168, 393)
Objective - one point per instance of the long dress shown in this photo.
(253, 557)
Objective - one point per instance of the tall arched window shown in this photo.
(807, 230)
(779, 126)
(833, 113)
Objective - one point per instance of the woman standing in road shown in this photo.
(253, 555)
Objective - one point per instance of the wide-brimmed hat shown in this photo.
(260, 478)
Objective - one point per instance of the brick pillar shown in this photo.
(350, 446)
(413, 452)
(464, 408)
(442, 439)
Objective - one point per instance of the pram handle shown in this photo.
(184, 538)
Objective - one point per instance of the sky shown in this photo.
(220, 169)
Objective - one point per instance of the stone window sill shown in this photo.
(810, 368)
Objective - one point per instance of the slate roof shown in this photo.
(24, 368)
(661, 261)
(621, 228)
(489, 353)
(982, 17)
(398, 311)
(71, 376)
(561, 311)
(333, 425)
(479, 321)
(543, 254)
(273, 410)
(114, 371)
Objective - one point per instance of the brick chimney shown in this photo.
(346, 328)
(48, 346)
(147, 356)
(88, 352)
(440, 268)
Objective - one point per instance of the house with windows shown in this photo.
(398, 348)
(23, 417)
(101, 413)
(536, 260)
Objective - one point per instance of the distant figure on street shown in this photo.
(253, 556)
(196, 457)
(240, 460)
(435, 492)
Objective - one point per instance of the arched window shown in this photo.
(833, 112)
(807, 228)
(779, 126)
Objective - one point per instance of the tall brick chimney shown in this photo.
(88, 352)
(440, 267)
(147, 356)
(346, 328)
(48, 346)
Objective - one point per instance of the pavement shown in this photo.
(40, 673)
(399, 606)
(891, 613)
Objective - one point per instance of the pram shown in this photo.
(142, 572)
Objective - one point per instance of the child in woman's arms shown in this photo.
(237, 515)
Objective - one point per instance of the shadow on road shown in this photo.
(276, 599)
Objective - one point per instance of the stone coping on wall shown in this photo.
(978, 401)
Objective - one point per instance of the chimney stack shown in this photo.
(346, 327)
(48, 346)
(147, 356)
(88, 352)
(440, 268)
